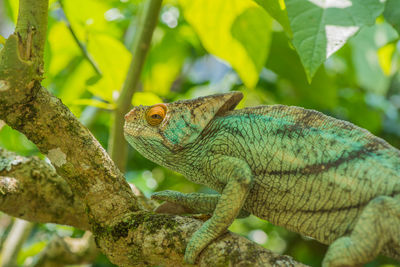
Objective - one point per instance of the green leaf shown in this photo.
(219, 25)
(15, 141)
(277, 10)
(292, 85)
(321, 27)
(61, 51)
(145, 98)
(385, 56)
(30, 251)
(2, 42)
(164, 62)
(113, 60)
(11, 7)
(89, 16)
(365, 46)
(93, 102)
(392, 13)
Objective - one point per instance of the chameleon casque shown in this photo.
(297, 168)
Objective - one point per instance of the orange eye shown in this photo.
(156, 114)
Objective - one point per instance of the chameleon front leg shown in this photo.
(377, 226)
(237, 177)
(193, 202)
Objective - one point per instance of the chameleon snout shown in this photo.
(130, 116)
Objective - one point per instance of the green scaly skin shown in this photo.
(297, 168)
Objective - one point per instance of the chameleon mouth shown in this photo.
(131, 129)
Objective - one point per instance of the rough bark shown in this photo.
(32, 190)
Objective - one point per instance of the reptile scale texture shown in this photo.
(297, 168)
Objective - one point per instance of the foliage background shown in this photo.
(209, 46)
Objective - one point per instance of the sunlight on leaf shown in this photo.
(15, 141)
(215, 21)
(164, 62)
(93, 102)
(385, 55)
(30, 251)
(365, 47)
(113, 60)
(12, 9)
(2, 42)
(320, 27)
(277, 10)
(145, 98)
(62, 52)
(89, 16)
(75, 86)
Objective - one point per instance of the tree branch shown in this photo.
(15, 239)
(117, 145)
(147, 239)
(32, 190)
(31, 28)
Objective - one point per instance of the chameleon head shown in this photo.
(163, 129)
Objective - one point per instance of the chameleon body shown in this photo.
(297, 168)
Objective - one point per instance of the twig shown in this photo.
(117, 145)
(82, 47)
(61, 251)
(15, 239)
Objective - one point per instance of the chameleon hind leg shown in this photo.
(377, 227)
(191, 203)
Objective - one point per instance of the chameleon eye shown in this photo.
(156, 114)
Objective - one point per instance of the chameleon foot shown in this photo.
(200, 239)
(377, 226)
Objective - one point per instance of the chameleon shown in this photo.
(310, 173)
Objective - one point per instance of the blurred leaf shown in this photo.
(354, 107)
(145, 98)
(218, 24)
(15, 141)
(92, 102)
(113, 60)
(277, 9)
(164, 62)
(256, 42)
(365, 57)
(89, 16)
(292, 84)
(74, 86)
(2, 42)
(12, 9)
(62, 51)
(321, 27)
(392, 13)
(30, 251)
(385, 55)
